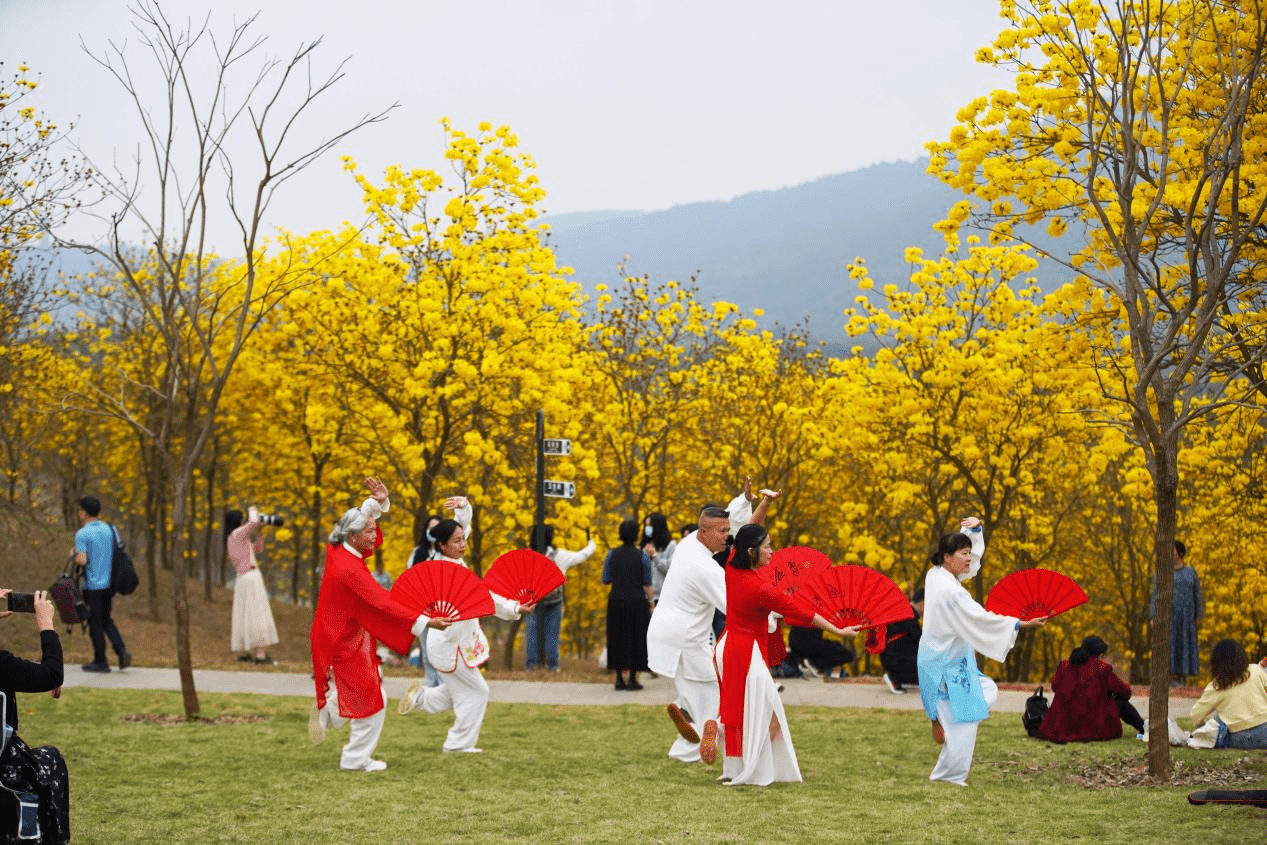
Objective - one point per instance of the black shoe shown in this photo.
(96, 667)
(125, 660)
(620, 682)
(245, 658)
(633, 685)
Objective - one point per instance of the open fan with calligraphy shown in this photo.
(791, 568)
(857, 595)
(1031, 593)
(524, 576)
(441, 589)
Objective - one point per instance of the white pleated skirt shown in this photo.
(253, 625)
(768, 755)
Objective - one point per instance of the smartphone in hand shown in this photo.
(21, 602)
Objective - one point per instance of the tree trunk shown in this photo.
(314, 572)
(1166, 486)
(184, 655)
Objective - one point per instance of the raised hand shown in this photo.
(378, 490)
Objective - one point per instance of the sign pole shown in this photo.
(538, 528)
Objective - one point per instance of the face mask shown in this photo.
(647, 531)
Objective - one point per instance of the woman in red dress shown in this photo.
(758, 748)
(1089, 702)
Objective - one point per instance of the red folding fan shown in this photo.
(441, 589)
(524, 576)
(789, 569)
(857, 595)
(1032, 593)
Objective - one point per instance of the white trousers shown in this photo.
(465, 692)
(362, 741)
(363, 737)
(955, 760)
(701, 700)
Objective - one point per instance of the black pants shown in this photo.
(823, 654)
(1130, 715)
(101, 625)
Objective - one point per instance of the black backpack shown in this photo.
(123, 578)
(1035, 710)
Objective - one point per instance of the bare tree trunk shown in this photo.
(184, 654)
(314, 572)
(1159, 681)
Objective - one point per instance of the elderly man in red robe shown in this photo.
(353, 611)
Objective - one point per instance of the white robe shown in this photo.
(952, 690)
(679, 638)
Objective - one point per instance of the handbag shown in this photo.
(68, 597)
(123, 578)
(34, 791)
(1035, 710)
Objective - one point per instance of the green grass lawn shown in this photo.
(598, 774)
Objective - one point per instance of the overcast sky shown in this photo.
(640, 104)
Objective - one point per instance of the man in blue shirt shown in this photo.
(94, 550)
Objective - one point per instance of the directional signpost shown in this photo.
(556, 446)
(559, 489)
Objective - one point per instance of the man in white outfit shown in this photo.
(679, 638)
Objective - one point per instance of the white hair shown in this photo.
(352, 522)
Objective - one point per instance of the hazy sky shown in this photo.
(640, 104)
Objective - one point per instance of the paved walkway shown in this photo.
(657, 691)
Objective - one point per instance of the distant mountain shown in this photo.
(784, 251)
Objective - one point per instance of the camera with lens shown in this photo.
(270, 519)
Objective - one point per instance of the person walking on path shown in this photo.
(94, 551)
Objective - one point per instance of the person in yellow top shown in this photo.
(1238, 693)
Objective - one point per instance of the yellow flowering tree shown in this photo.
(973, 393)
(1137, 123)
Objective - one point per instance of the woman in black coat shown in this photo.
(38, 774)
(628, 571)
(19, 675)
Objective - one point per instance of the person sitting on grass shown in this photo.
(1238, 693)
(1089, 702)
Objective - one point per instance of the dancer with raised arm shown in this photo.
(956, 696)
(352, 612)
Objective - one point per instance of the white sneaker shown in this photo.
(888, 682)
(318, 720)
(369, 766)
(410, 701)
(808, 669)
(471, 750)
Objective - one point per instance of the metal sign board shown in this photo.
(559, 489)
(556, 446)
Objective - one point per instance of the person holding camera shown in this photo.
(35, 791)
(19, 675)
(253, 628)
(94, 551)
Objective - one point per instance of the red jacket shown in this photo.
(352, 611)
(1082, 709)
